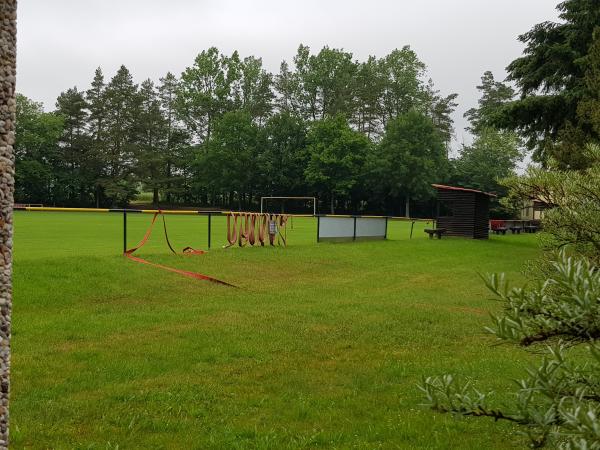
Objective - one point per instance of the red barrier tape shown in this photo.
(186, 251)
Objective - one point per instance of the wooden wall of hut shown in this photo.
(463, 213)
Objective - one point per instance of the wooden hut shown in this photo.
(463, 212)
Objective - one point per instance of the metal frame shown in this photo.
(314, 199)
(125, 211)
(354, 218)
(124, 231)
(148, 211)
(209, 228)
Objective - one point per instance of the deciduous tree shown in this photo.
(203, 93)
(410, 157)
(336, 157)
(284, 156)
(230, 162)
(38, 157)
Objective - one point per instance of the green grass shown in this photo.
(321, 348)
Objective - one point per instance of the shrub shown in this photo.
(557, 402)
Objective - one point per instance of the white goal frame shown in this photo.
(314, 200)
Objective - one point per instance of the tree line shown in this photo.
(360, 135)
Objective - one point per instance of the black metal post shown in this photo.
(354, 233)
(124, 231)
(412, 225)
(386, 225)
(209, 216)
(318, 227)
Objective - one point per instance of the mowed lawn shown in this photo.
(321, 347)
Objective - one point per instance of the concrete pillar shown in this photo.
(8, 60)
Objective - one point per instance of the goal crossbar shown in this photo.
(314, 200)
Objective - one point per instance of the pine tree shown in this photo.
(152, 131)
(440, 110)
(76, 144)
(175, 139)
(551, 78)
(122, 111)
(494, 96)
(95, 97)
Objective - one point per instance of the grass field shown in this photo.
(321, 348)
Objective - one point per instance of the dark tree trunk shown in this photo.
(155, 198)
(169, 199)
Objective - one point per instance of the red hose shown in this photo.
(186, 251)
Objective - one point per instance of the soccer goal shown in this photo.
(288, 204)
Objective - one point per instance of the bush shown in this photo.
(558, 402)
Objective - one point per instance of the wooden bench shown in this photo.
(530, 228)
(516, 230)
(437, 232)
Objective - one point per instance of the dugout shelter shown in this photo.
(463, 212)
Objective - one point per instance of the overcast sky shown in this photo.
(61, 42)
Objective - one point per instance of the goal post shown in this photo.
(313, 199)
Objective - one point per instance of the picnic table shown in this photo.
(515, 226)
(498, 226)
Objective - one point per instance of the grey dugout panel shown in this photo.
(351, 228)
(371, 227)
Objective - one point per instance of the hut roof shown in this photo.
(455, 188)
